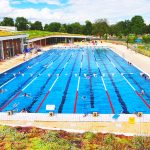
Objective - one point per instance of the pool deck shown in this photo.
(12, 62)
(125, 124)
(138, 60)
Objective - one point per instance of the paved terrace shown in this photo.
(127, 124)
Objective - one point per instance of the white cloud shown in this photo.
(81, 10)
(114, 10)
(5, 8)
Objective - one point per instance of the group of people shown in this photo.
(129, 63)
(144, 75)
(29, 50)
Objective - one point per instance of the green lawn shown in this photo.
(6, 33)
(36, 33)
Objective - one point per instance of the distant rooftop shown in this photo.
(8, 28)
(8, 33)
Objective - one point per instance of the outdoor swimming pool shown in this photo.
(78, 80)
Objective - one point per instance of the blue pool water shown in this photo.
(82, 80)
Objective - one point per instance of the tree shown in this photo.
(137, 25)
(87, 29)
(147, 29)
(100, 27)
(63, 28)
(69, 28)
(54, 27)
(76, 28)
(46, 27)
(37, 25)
(7, 22)
(21, 23)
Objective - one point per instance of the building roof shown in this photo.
(59, 36)
(8, 28)
(2, 38)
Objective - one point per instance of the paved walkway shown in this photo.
(139, 60)
(12, 62)
(103, 127)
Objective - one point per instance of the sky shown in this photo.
(69, 11)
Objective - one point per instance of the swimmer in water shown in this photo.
(29, 67)
(142, 92)
(2, 91)
(95, 75)
(84, 97)
(24, 110)
(26, 95)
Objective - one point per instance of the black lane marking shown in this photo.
(43, 87)
(123, 105)
(90, 82)
(24, 68)
(135, 82)
(23, 84)
(48, 92)
(67, 87)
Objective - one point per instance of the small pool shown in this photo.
(79, 80)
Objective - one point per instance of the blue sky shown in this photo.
(38, 4)
(68, 11)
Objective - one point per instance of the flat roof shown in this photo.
(61, 36)
(2, 38)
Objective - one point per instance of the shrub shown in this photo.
(138, 142)
(109, 139)
(89, 136)
(146, 38)
(131, 38)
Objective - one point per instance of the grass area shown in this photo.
(36, 33)
(33, 138)
(143, 48)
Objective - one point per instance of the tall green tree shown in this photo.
(37, 25)
(21, 23)
(100, 27)
(137, 25)
(69, 28)
(46, 27)
(63, 28)
(127, 29)
(7, 22)
(87, 29)
(76, 28)
(147, 29)
(54, 27)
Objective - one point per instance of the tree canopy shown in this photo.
(100, 27)
(137, 25)
(37, 25)
(21, 23)
(7, 22)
